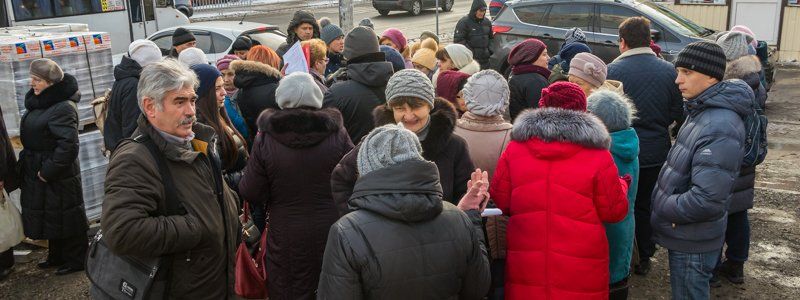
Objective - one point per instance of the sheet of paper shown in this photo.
(491, 212)
(295, 59)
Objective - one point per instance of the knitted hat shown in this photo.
(394, 57)
(569, 51)
(526, 52)
(46, 69)
(562, 94)
(225, 62)
(747, 31)
(614, 109)
(460, 55)
(590, 68)
(410, 83)
(386, 146)
(298, 90)
(192, 56)
(330, 33)
(396, 36)
(450, 83)
(144, 52)
(429, 35)
(207, 75)
(359, 41)
(734, 44)
(426, 55)
(182, 36)
(242, 43)
(366, 22)
(574, 35)
(703, 57)
(486, 93)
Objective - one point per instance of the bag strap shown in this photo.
(171, 204)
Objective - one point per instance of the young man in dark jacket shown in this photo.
(182, 39)
(123, 107)
(693, 192)
(650, 83)
(302, 27)
(367, 74)
(403, 241)
(475, 31)
(200, 243)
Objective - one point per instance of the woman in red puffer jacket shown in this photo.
(558, 182)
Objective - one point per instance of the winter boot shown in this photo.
(643, 267)
(714, 282)
(733, 271)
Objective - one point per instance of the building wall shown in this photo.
(711, 16)
(790, 37)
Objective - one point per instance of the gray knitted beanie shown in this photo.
(298, 90)
(385, 146)
(330, 33)
(410, 83)
(360, 41)
(734, 44)
(614, 109)
(486, 93)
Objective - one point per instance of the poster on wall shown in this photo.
(112, 5)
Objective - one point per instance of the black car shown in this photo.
(549, 20)
(414, 7)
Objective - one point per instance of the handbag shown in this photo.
(134, 277)
(11, 232)
(251, 274)
(250, 233)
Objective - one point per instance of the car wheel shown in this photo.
(448, 5)
(185, 11)
(383, 12)
(416, 8)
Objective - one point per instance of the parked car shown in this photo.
(215, 38)
(414, 7)
(549, 20)
(184, 6)
(495, 6)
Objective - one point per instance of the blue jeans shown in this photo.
(689, 274)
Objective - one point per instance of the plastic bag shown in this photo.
(11, 232)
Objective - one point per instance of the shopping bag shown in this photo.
(251, 274)
(11, 232)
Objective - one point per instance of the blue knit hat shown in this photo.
(394, 57)
(207, 75)
(330, 31)
(569, 51)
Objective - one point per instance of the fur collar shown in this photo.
(300, 127)
(556, 124)
(66, 89)
(254, 67)
(443, 122)
(635, 51)
(741, 67)
(473, 122)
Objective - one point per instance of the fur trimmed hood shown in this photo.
(300, 127)
(443, 122)
(66, 89)
(742, 67)
(561, 125)
(252, 73)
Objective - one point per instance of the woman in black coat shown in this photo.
(52, 198)
(529, 75)
(289, 170)
(256, 82)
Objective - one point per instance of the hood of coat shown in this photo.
(409, 191)
(745, 68)
(732, 94)
(127, 68)
(300, 127)
(625, 144)
(473, 122)
(251, 73)
(443, 121)
(373, 74)
(66, 89)
(301, 17)
(476, 5)
(561, 125)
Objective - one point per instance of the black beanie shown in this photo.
(182, 36)
(242, 43)
(704, 57)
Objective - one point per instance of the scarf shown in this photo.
(525, 69)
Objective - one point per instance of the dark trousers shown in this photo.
(69, 252)
(644, 232)
(497, 288)
(737, 237)
(7, 259)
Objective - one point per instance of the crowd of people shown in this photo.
(369, 174)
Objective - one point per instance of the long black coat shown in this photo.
(49, 133)
(476, 34)
(447, 150)
(526, 89)
(8, 161)
(289, 171)
(257, 83)
(123, 110)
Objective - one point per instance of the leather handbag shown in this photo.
(251, 274)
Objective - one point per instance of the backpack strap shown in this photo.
(171, 204)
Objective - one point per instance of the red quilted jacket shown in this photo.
(558, 182)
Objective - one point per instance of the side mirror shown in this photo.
(655, 35)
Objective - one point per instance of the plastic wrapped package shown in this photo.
(93, 172)
(68, 51)
(101, 64)
(16, 53)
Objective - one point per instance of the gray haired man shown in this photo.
(171, 156)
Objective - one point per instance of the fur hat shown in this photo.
(47, 69)
(565, 95)
(614, 109)
(386, 146)
(298, 90)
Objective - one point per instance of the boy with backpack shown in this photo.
(694, 188)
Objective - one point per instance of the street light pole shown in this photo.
(346, 15)
(437, 17)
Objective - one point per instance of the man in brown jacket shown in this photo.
(201, 243)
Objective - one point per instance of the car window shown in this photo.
(611, 16)
(203, 41)
(570, 15)
(531, 14)
(164, 42)
(221, 43)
